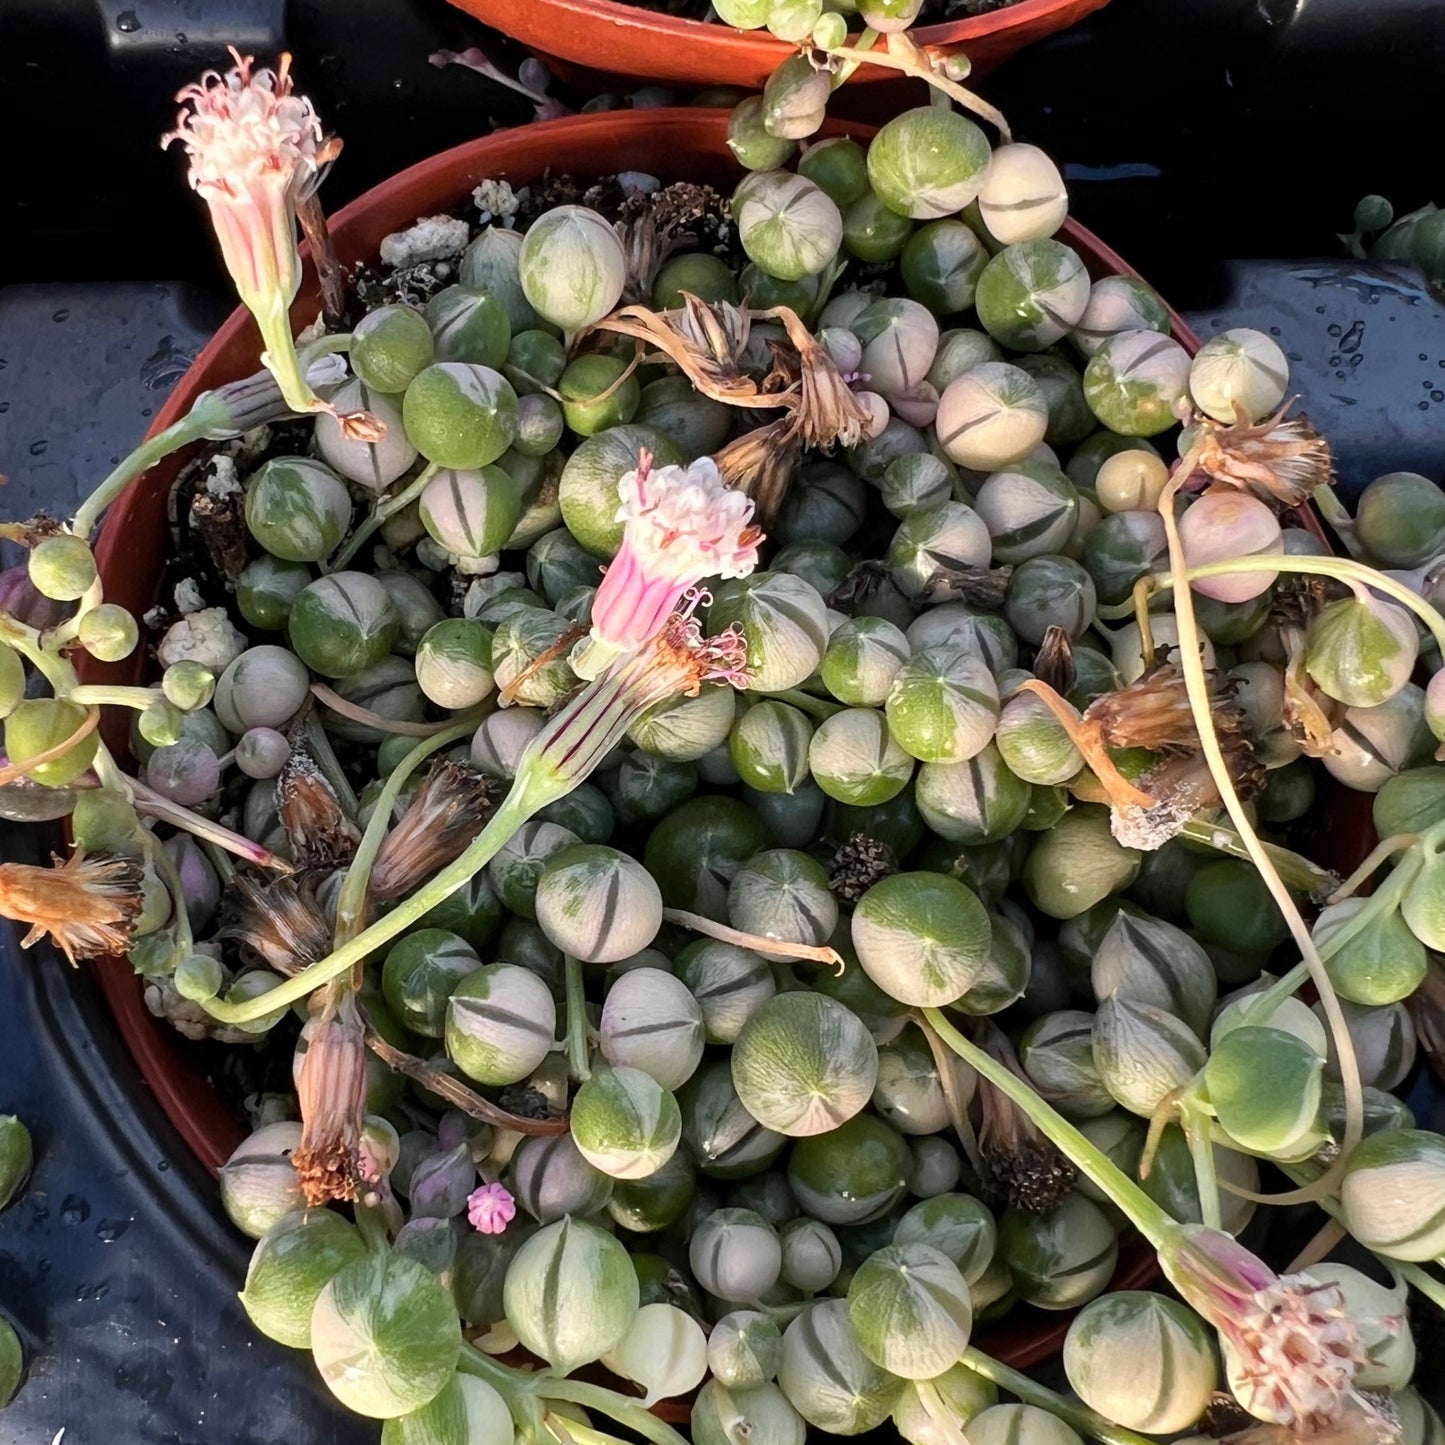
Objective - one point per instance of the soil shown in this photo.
(933, 12)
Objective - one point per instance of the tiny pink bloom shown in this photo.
(1296, 1351)
(491, 1209)
(682, 525)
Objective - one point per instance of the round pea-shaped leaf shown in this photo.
(910, 1310)
(597, 903)
(828, 1379)
(420, 974)
(290, 1266)
(625, 1123)
(1394, 1193)
(921, 937)
(297, 509)
(1264, 1085)
(459, 414)
(1142, 1360)
(1061, 1258)
(571, 1293)
(804, 1064)
(500, 1024)
(343, 623)
(467, 1409)
(853, 1175)
(385, 1336)
(927, 163)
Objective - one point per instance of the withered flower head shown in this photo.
(826, 411)
(280, 919)
(1154, 713)
(858, 864)
(1025, 1166)
(1280, 459)
(319, 832)
(446, 812)
(88, 907)
(331, 1085)
(761, 463)
(983, 587)
(1054, 662)
(1307, 712)
(706, 339)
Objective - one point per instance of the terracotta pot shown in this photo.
(673, 144)
(631, 44)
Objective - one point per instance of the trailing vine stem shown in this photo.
(1196, 684)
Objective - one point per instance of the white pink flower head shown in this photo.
(245, 128)
(1295, 1350)
(682, 525)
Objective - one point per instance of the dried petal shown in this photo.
(87, 907)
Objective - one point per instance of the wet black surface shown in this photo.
(117, 1265)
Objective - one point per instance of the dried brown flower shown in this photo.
(1280, 459)
(320, 833)
(1054, 661)
(331, 1085)
(446, 812)
(978, 586)
(858, 864)
(761, 464)
(280, 919)
(88, 907)
(1025, 1166)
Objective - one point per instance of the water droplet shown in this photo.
(1437, 396)
(1424, 356)
(62, 315)
(1352, 338)
(180, 37)
(1334, 328)
(1357, 358)
(1319, 310)
(38, 449)
(1424, 406)
(93, 1291)
(110, 1230)
(1274, 331)
(146, 410)
(162, 1165)
(74, 1209)
(1337, 360)
(4, 407)
(1339, 376)
(127, 22)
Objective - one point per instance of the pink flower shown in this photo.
(490, 1209)
(682, 525)
(256, 150)
(1296, 1350)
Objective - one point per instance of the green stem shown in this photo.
(630, 1413)
(1146, 1216)
(190, 428)
(372, 1228)
(1084, 1420)
(171, 877)
(155, 805)
(579, 1063)
(100, 695)
(1418, 1279)
(865, 42)
(51, 665)
(351, 901)
(1328, 503)
(1296, 870)
(516, 808)
(1342, 569)
(816, 707)
(1384, 850)
(1201, 1152)
(384, 509)
(1196, 686)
